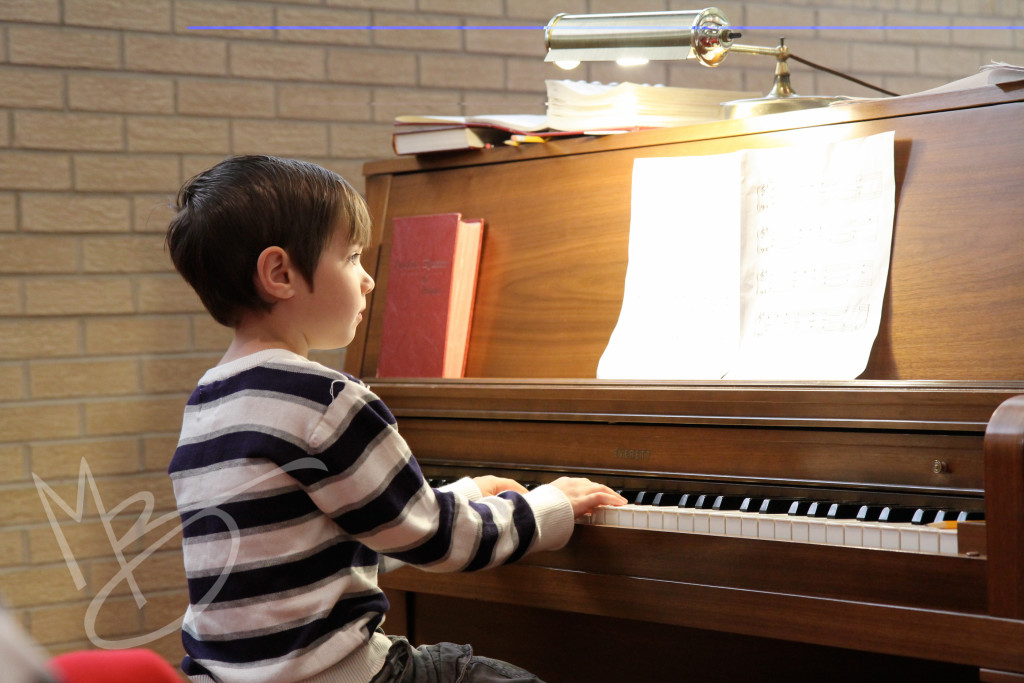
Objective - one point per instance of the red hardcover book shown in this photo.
(431, 286)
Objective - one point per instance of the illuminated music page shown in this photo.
(773, 264)
(680, 309)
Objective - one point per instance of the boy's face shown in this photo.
(334, 307)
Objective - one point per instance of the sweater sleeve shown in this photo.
(372, 487)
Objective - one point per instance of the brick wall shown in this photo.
(106, 106)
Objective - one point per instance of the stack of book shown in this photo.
(573, 108)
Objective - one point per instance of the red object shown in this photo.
(113, 666)
(431, 286)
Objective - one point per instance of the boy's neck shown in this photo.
(259, 333)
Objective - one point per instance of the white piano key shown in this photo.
(801, 529)
(780, 525)
(890, 536)
(733, 523)
(816, 530)
(749, 526)
(641, 517)
(854, 534)
(701, 522)
(948, 542)
(910, 539)
(872, 536)
(716, 523)
(929, 540)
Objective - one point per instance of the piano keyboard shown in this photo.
(842, 524)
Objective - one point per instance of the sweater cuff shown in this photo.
(466, 486)
(553, 512)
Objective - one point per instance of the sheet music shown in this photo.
(789, 285)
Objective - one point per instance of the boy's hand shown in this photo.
(492, 486)
(586, 495)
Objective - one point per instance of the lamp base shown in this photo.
(758, 106)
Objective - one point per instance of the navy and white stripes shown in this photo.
(290, 478)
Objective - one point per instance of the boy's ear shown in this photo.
(275, 275)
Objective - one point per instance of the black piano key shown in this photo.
(725, 502)
(928, 515)
(818, 508)
(843, 510)
(798, 508)
(970, 516)
(705, 501)
(777, 506)
(644, 498)
(667, 499)
(897, 514)
(689, 500)
(751, 504)
(870, 512)
(629, 494)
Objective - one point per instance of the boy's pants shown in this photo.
(445, 663)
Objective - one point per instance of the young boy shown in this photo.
(291, 479)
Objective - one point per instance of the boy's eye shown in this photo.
(354, 258)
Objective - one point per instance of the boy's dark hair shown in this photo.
(226, 216)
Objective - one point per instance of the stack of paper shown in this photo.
(578, 105)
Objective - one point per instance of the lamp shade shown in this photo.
(700, 34)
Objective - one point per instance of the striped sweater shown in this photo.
(292, 481)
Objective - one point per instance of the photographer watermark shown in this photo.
(144, 525)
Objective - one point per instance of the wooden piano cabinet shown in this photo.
(936, 419)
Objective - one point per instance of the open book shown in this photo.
(759, 264)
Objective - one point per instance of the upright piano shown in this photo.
(935, 422)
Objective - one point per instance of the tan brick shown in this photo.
(118, 617)
(137, 334)
(29, 421)
(175, 54)
(139, 15)
(12, 383)
(492, 102)
(65, 379)
(86, 539)
(164, 609)
(74, 47)
(363, 140)
(522, 43)
(11, 299)
(143, 414)
(469, 71)
(159, 572)
(62, 459)
(282, 138)
(38, 11)
(34, 88)
(157, 450)
(178, 373)
(152, 213)
(12, 548)
(391, 102)
(493, 8)
(177, 134)
(209, 335)
(323, 102)
(5, 129)
(371, 67)
(200, 13)
(8, 212)
(126, 173)
(304, 16)
(417, 39)
(38, 254)
(51, 212)
(226, 98)
(127, 254)
(543, 10)
(884, 59)
(38, 338)
(278, 62)
(30, 586)
(167, 294)
(78, 295)
(12, 463)
(45, 130)
(120, 93)
(34, 170)
(375, 4)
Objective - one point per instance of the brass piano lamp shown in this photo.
(704, 35)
